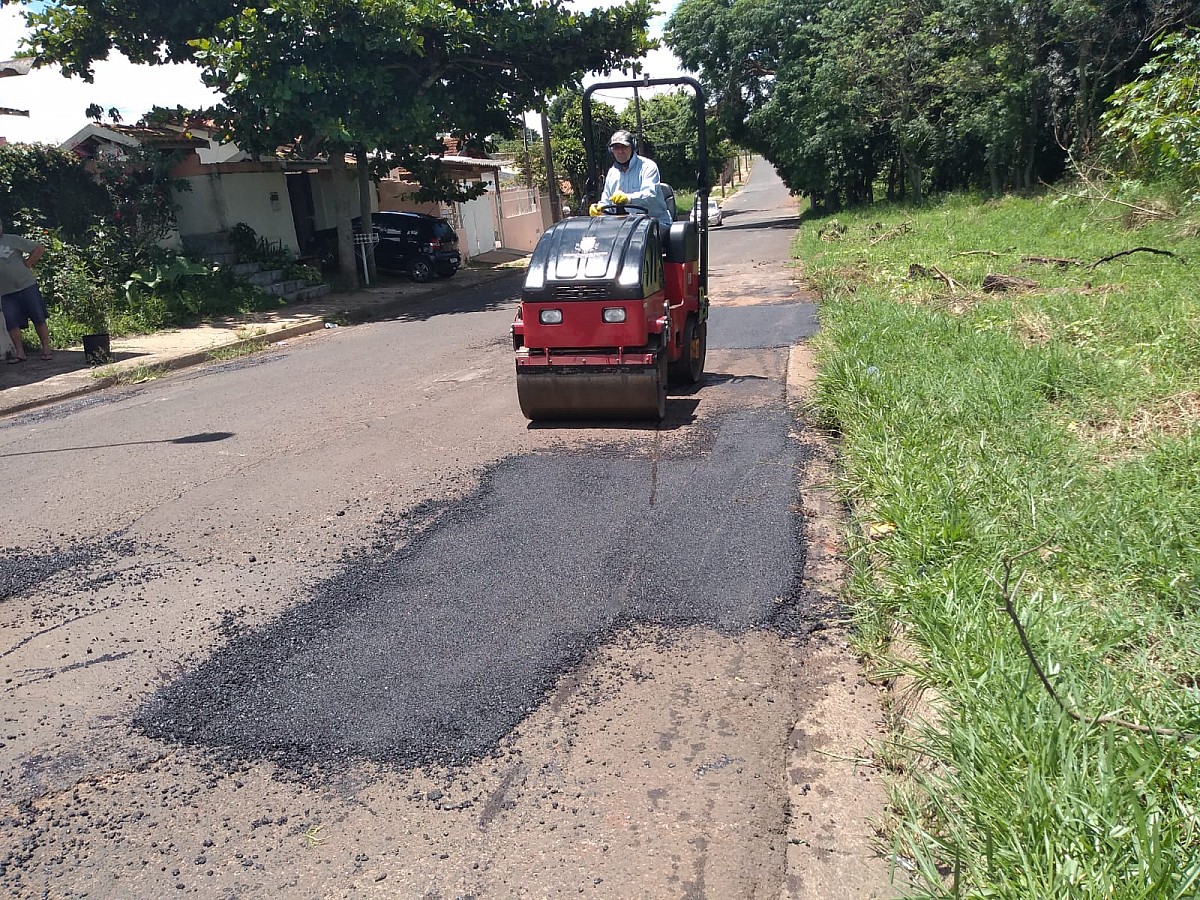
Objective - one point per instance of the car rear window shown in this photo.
(443, 232)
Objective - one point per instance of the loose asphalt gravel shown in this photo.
(431, 650)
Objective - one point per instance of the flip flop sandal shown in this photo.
(15, 360)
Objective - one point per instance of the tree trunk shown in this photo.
(1035, 125)
(912, 171)
(347, 264)
(364, 205)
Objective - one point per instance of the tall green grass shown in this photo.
(1065, 419)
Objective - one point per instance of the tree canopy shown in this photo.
(943, 94)
(664, 123)
(339, 76)
(566, 135)
(386, 73)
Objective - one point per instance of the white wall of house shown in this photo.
(521, 223)
(478, 225)
(476, 220)
(199, 209)
(220, 200)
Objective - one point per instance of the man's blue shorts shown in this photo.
(22, 307)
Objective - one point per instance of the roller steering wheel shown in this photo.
(612, 209)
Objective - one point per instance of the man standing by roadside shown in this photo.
(19, 295)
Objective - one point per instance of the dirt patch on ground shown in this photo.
(838, 794)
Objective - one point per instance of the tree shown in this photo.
(527, 157)
(348, 76)
(669, 127)
(933, 95)
(754, 58)
(50, 188)
(565, 115)
(1154, 121)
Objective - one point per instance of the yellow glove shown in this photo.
(620, 199)
(595, 210)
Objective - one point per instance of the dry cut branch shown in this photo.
(1052, 261)
(1094, 192)
(1128, 252)
(832, 231)
(946, 279)
(1010, 608)
(916, 270)
(902, 228)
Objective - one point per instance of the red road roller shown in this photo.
(614, 306)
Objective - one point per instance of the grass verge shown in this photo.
(1055, 415)
(245, 347)
(136, 375)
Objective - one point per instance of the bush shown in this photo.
(79, 300)
(310, 275)
(251, 248)
(1154, 122)
(48, 187)
(104, 270)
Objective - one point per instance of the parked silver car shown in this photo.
(714, 213)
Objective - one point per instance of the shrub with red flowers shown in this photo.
(139, 186)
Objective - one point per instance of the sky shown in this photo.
(56, 104)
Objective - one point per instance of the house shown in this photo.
(505, 217)
(291, 202)
(285, 201)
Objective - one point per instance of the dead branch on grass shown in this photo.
(1128, 252)
(943, 277)
(1010, 607)
(1094, 193)
(902, 228)
(916, 270)
(1052, 261)
(833, 230)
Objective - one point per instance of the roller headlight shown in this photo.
(613, 314)
(550, 316)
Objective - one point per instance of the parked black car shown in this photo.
(416, 243)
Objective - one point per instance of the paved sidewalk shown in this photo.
(37, 382)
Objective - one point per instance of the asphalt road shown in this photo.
(335, 620)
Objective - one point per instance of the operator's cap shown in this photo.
(621, 137)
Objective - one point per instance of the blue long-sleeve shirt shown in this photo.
(639, 182)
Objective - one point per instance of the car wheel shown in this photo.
(419, 270)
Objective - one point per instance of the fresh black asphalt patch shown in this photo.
(433, 653)
(760, 327)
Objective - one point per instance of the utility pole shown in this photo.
(637, 101)
(551, 180)
(525, 140)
